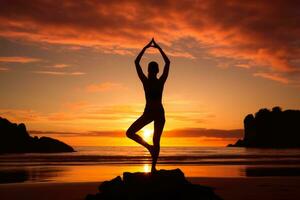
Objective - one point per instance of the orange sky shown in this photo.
(67, 66)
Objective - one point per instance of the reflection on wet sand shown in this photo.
(94, 173)
(103, 172)
(30, 174)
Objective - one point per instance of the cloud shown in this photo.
(180, 54)
(76, 115)
(245, 66)
(76, 105)
(258, 33)
(82, 134)
(202, 132)
(106, 86)
(61, 66)
(196, 132)
(59, 73)
(4, 69)
(74, 111)
(76, 73)
(21, 115)
(84, 116)
(197, 117)
(16, 59)
(273, 77)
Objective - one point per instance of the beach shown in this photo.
(234, 173)
(273, 188)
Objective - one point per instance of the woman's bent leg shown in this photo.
(135, 127)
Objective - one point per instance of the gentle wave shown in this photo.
(169, 155)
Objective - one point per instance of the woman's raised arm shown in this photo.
(165, 73)
(137, 63)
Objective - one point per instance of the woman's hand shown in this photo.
(148, 45)
(155, 45)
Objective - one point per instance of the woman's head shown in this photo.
(153, 68)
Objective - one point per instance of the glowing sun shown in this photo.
(147, 134)
(146, 168)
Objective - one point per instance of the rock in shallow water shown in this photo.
(162, 185)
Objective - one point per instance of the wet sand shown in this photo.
(275, 188)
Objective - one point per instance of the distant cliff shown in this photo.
(14, 138)
(271, 129)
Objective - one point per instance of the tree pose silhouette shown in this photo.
(154, 110)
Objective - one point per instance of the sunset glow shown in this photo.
(147, 134)
(67, 69)
(149, 99)
(147, 168)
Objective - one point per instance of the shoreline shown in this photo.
(234, 188)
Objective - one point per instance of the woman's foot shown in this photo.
(153, 170)
(154, 154)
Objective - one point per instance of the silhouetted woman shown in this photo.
(154, 110)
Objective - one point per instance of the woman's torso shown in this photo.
(153, 93)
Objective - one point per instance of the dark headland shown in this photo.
(271, 129)
(14, 138)
(161, 185)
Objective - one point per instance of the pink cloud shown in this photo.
(257, 33)
(59, 73)
(273, 77)
(106, 86)
(61, 66)
(16, 59)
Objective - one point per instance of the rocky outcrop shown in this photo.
(14, 138)
(271, 129)
(161, 185)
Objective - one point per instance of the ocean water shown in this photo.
(101, 163)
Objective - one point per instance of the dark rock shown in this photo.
(239, 143)
(16, 139)
(49, 145)
(113, 188)
(162, 185)
(271, 129)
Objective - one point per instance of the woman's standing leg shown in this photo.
(158, 129)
